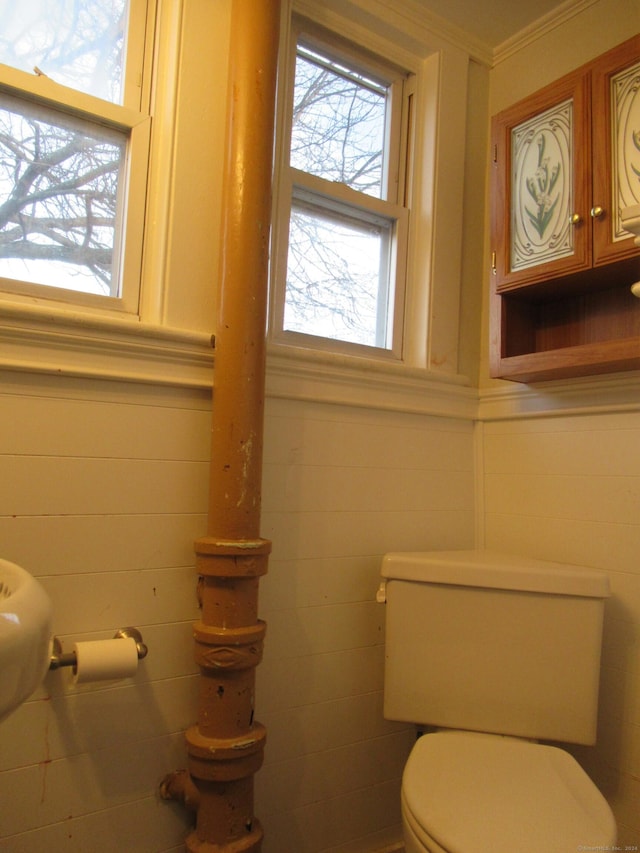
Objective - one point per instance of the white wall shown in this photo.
(103, 492)
(342, 487)
(103, 478)
(568, 489)
(104, 489)
(561, 461)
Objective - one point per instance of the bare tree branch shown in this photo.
(337, 134)
(59, 183)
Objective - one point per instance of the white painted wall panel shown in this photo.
(341, 488)
(56, 790)
(145, 824)
(104, 507)
(102, 494)
(568, 489)
(71, 486)
(100, 543)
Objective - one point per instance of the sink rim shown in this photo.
(25, 635)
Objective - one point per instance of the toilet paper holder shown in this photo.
(60, 658)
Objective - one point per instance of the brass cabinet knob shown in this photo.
(597, 211)
(575, 219)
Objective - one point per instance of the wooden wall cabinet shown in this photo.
(565, 165)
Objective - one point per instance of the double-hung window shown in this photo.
(341, 240)
(74, 146)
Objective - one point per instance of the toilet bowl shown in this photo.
(465, 792)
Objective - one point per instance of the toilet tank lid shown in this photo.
(494, 570)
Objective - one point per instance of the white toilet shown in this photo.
(495, 652)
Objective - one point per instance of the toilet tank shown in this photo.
(495, 643)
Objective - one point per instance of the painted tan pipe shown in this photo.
(225, 747)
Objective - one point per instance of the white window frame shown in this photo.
(133, 121)
(427, 378)
(391, 209)
(153, 343)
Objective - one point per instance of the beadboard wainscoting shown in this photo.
(104, 489)
(567, 489)
(342, 487)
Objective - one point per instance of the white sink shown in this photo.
(25, 635)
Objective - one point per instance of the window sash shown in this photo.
(130, 121)
(296, 185)
(339, 201)
(359, 225)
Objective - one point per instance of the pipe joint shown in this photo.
(214, 759)
(232, 558)
(215, 545)
(180, 786)
(228, 648)
(249, 843)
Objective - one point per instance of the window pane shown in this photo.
(338, 128)
(336, 278)
(79, 43)
(60, 180)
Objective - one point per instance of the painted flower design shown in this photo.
(540, 187)
(635, 138)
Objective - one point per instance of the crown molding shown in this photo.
(541, 27)
(426, 31)
(408, 24)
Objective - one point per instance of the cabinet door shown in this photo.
(616, 149)
(541, 228)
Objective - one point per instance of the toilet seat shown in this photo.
(464, 792)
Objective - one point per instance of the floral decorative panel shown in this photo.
(541, 188)
(625, 111)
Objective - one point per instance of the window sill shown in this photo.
(50, 340)
(299, 374)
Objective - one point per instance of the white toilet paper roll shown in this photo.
(102, 660)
